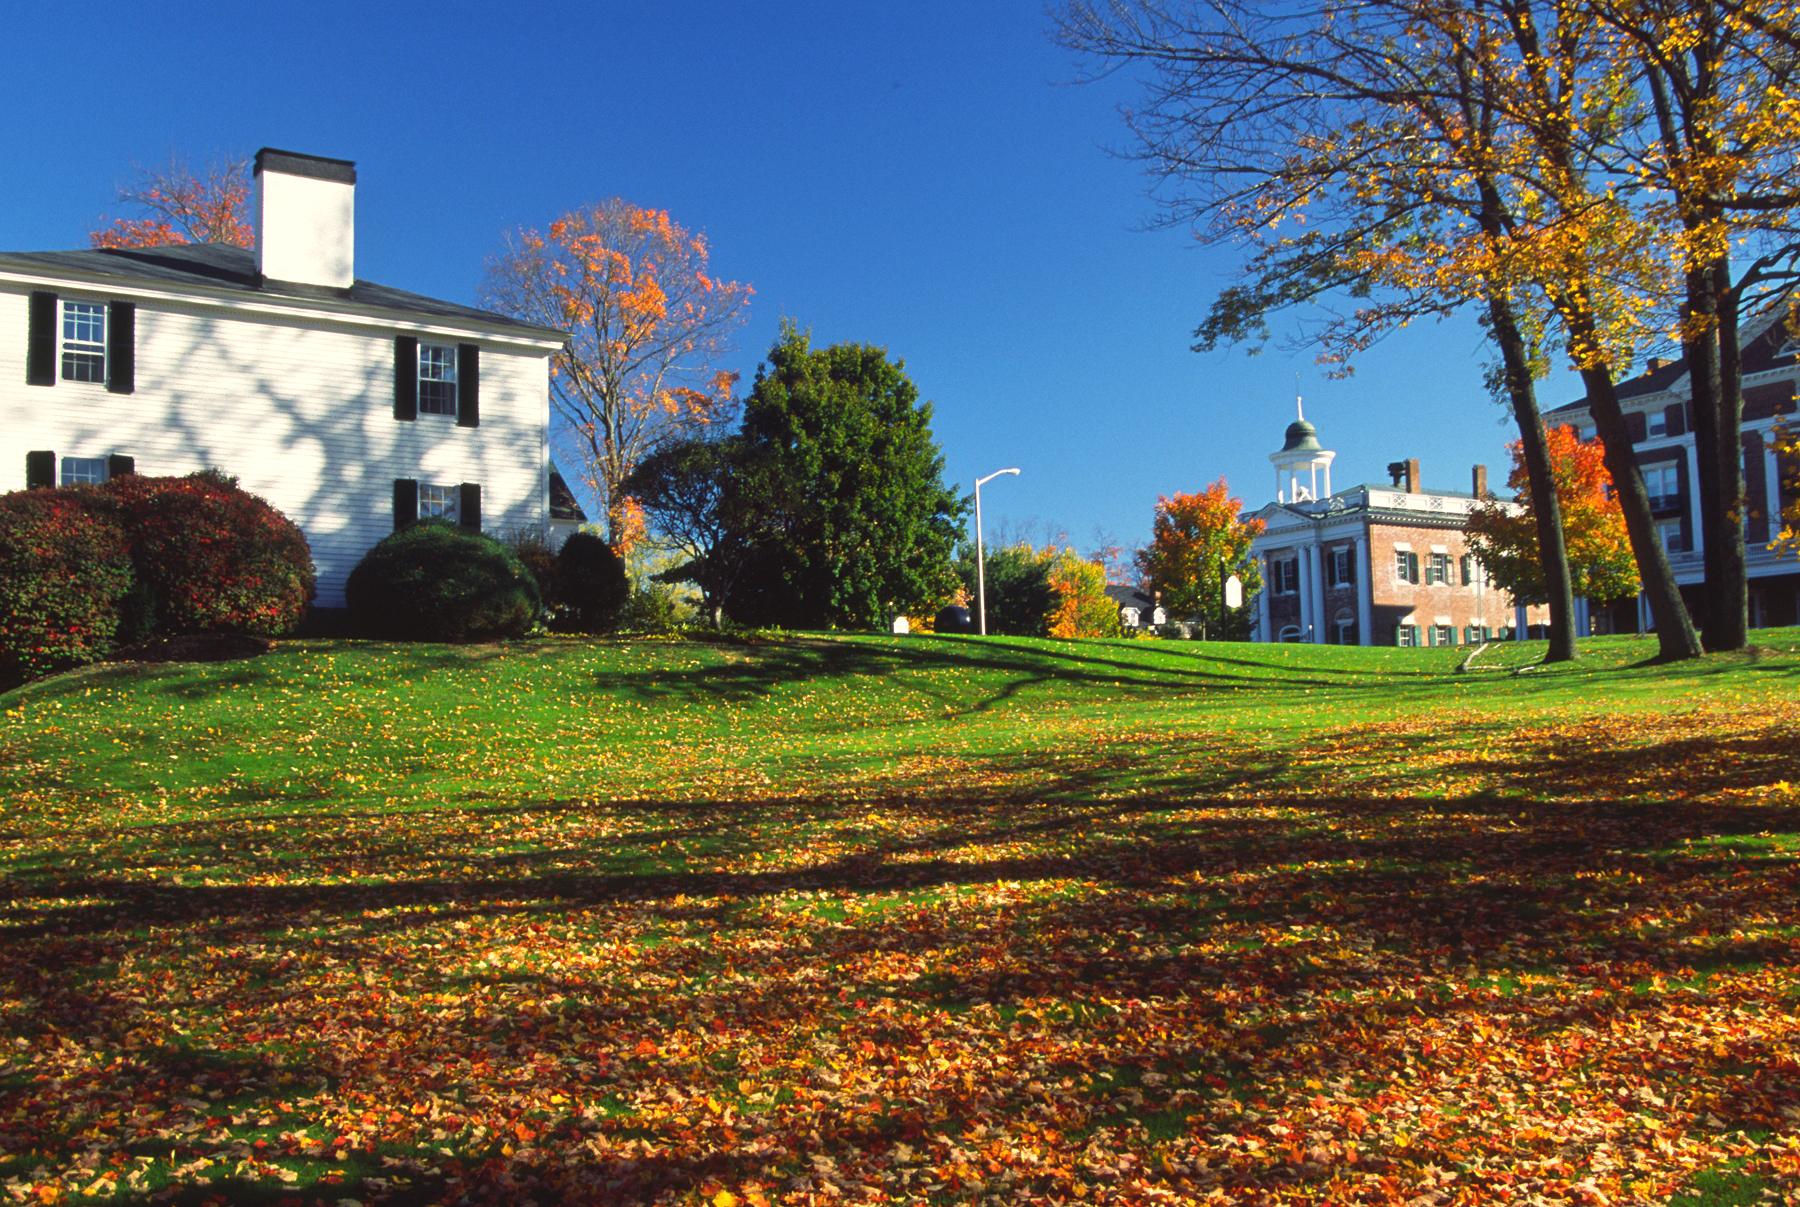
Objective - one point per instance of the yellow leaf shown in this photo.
(725, 1199)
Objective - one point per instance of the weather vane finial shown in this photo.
(1299, 411)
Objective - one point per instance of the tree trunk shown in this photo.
(1727, 576)
(1675, 635)
(1552, 550)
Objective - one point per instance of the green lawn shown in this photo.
(903, 919)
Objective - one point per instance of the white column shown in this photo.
(1519, 618)
(1772, 464)
(1303, 565)
(1698, 544)
(1365, 592)
(1580, 619)
(1263, 630)
(1315, 553)
(1643, 611)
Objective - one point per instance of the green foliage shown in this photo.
(653, 608)
(434, 581)
(210, 556)
(1041, 592)
(591, 588)
(65, 570)
(697, 496)
(844, 483)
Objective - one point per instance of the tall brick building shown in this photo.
(1372, 565)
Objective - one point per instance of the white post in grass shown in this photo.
(980, 555)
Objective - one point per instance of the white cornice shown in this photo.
(290, 309)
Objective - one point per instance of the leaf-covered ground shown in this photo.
(874, 920)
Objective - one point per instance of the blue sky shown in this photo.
(922, 176)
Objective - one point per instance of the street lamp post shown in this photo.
(980, 556)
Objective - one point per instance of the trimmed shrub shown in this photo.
(434, 581)
(65, 570)
(651, 609)
(210, 556)
(591, 589)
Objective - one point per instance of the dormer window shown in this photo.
(437, 379)
(84, 341)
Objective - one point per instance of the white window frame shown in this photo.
(91, 352)
(1662, 474)
(1437, 569)
(1289, 634)
(1406, 567)
(1286, 571)
(1670, 532)
(81, 471)
(1343, 567)
(440, 502)
(1656, 426)
(437, 369)
(1406, 636)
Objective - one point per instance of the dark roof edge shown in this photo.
(298, 163)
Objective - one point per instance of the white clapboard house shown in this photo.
(353, 407)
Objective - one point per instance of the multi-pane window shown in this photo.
(1670, 533)
(1437, 569)
(84, 341)
(1663, 482)
(1342, 566)
(437, 379)
(82, 471)
(440, 502)
(1406, 635)
(1475, 634)
(1659, 424)
(1443, 634)
(1406, 566)
(1287, 575)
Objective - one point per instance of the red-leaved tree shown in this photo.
(175, 204)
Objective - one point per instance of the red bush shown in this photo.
(65, 567)
(211, 556)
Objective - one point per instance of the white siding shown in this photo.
(301, 414)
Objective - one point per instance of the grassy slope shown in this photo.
(1162, 915)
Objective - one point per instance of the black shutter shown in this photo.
(40, 470)
(120, 466)
(468, 385)
(469, 507)
(406, 384)
(40, 349)
(1639, 427)
(1675, 416)
(406, 502)
(121, 347)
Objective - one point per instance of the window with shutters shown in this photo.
(84, 341)
(82, 471)
(1406, 635)
(437, 379)
(1287, 575)
(1406, 566)
(1437, 569)
(440, 502)
(1342, 574)
(1443, 634)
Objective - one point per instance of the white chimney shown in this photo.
(305, 219)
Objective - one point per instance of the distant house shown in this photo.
(353, 407)
(1137, 608)
(566, 514)
(1657, 405)
(1372, 565)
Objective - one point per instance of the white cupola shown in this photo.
(1302, 467)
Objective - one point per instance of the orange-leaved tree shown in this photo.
(1197, 541)
(647, 322)
(1504, 536)
(175, 204)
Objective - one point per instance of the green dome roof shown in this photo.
(1302, 437)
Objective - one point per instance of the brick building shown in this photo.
(1372, 565)
(1656, 405)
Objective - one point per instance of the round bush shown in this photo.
(433, 581)
(591, 589)
(65, 570)
(210, 556)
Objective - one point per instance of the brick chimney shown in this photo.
(305, 219)
(1479, 482)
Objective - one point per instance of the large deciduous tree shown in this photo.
(177, 204)
(647, 323)
(856, 522)
(1197, 541)
(1504, 538)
